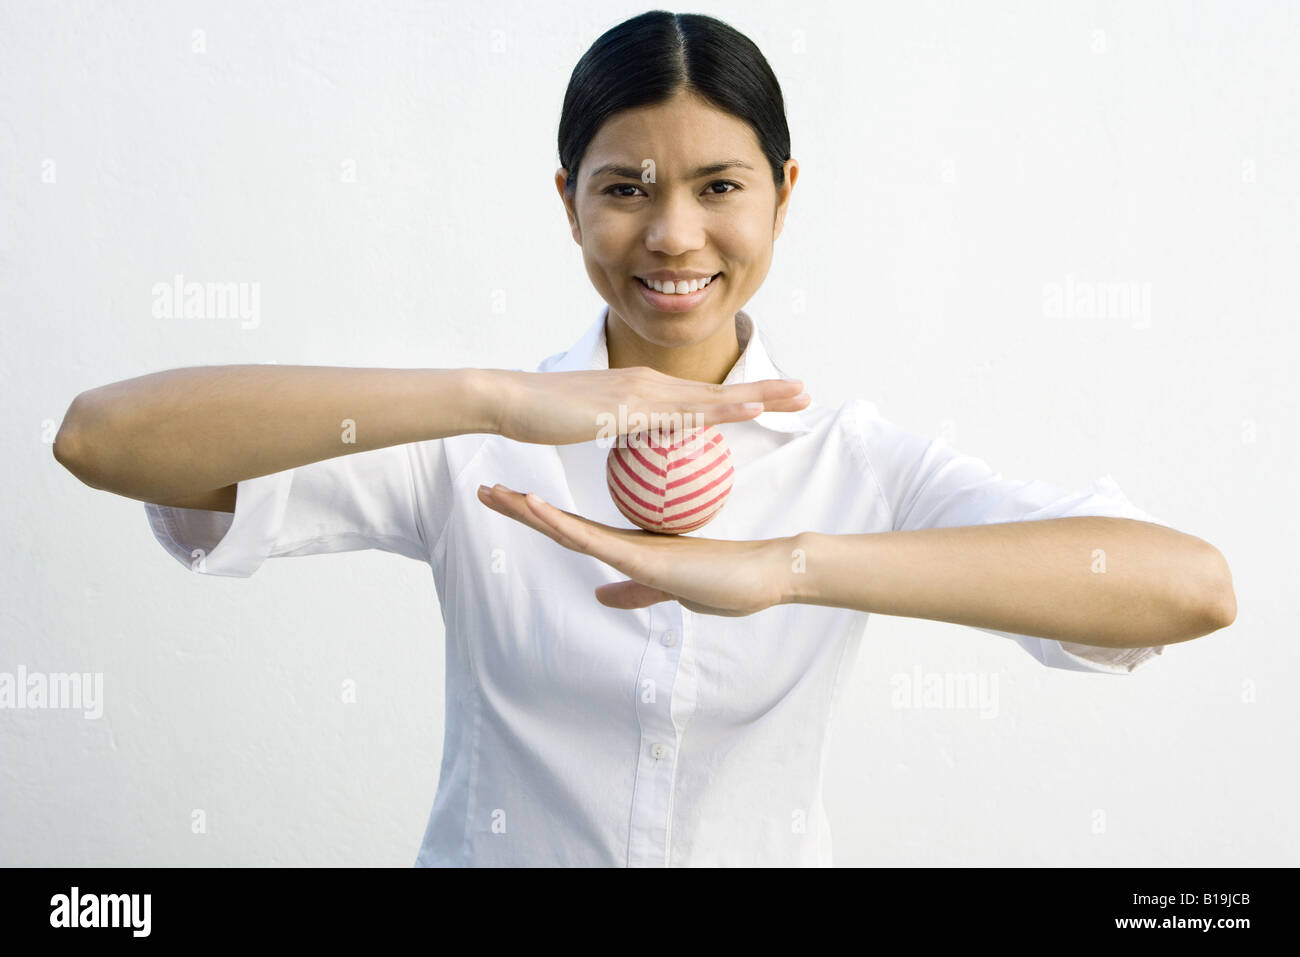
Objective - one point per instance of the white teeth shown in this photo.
(679, 288)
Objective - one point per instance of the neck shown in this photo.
(709, 360)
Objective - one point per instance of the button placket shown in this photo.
(652, 794)
(683, 703)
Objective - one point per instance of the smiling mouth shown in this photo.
(653, 289)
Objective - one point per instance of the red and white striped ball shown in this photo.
(670, 482)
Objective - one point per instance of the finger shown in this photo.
(630, 594)
(564, 527)
(764, 390)
(512, 505)
(617, 547)
(740, 412)
(792, 404)
(632, 552)
(610, 545)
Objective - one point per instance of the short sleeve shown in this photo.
(928, 484)
(395, 499)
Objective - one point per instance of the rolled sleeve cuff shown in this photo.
(219, 543)
(1103, 497)
(1075, 657)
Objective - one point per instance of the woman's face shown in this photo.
(645, 203)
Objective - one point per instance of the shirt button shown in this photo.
(658, 751)
(669, 638)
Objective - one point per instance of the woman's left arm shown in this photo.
(1092, 580)
(1110, 582)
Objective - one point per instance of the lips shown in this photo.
(680, 303)
(652, 288)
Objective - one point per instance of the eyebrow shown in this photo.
(634, 172)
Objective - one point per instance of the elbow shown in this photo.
(1227, 608)
(67, 444)
(1222, 597)
(71, 442)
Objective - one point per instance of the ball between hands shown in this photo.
(670, 483)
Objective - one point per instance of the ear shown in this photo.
(783, 197)
(570, 208)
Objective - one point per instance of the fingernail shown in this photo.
(753, 406)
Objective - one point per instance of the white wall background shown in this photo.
(957, 159)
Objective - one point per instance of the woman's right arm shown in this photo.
(187, 437)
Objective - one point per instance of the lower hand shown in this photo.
(706, 575)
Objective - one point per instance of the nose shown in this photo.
(675, 225)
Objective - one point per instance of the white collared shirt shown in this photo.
(578, 734)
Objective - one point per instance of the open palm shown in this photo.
(706, 575)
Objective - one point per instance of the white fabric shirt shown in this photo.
(578, 734)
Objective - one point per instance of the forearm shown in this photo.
(182, 431)
(1102, 581)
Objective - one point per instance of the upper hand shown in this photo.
(559, 408)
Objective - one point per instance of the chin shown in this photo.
(677, 330)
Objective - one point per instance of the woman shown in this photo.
(679, 716)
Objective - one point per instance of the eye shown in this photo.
(725, 182)
(610, 190)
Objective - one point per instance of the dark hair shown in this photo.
(648, 59)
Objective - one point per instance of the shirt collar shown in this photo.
(592, 352)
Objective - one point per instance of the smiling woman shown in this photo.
(615, 696)
(676, 176)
